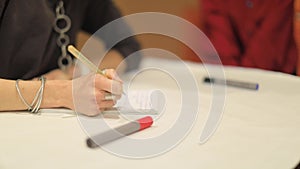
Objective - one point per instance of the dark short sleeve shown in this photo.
(101, 12)
(27, 42)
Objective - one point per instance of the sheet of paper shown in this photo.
(139, 102)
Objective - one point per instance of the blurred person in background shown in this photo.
(254, 33)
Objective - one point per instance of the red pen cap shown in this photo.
(145, 122)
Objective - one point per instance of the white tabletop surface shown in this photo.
(259, 129)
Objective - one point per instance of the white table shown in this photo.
(259, 129)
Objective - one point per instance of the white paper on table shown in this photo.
(138, 102)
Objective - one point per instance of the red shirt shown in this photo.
(252, 33)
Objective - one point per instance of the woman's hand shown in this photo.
(89, 92)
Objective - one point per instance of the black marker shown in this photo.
(245, 85)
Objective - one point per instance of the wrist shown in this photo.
(58, 93)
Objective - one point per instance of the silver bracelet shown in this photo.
(36, 103)
(40, 96)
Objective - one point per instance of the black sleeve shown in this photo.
(115, 34)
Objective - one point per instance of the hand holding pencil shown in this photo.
(107, 85)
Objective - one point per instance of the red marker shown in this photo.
(121, 131)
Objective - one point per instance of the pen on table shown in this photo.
(234, 83)
(119, 110)
(121, 131)
(86, 61)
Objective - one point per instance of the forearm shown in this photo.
(58, 93)
(91, 89)
(9, 99)
(55, 93)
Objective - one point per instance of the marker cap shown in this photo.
(145, 122)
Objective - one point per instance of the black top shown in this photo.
(28, 41)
